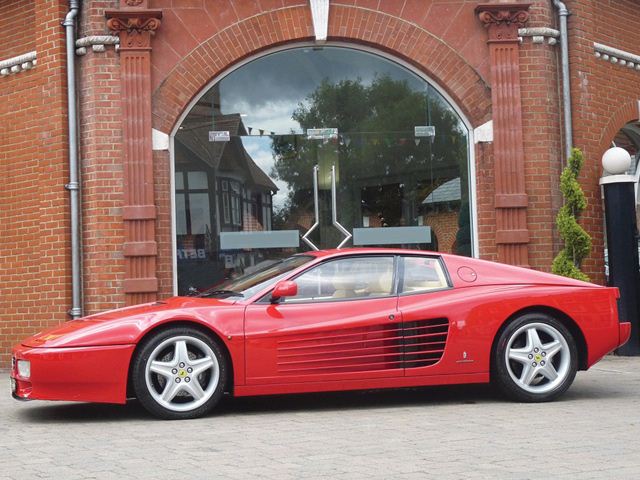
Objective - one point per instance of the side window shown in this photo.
(344, 279)
(422, 274)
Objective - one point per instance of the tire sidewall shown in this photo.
(500, 373)
(138, 375)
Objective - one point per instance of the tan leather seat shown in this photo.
(344, 288)
(380, 285)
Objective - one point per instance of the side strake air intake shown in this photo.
(380, 347)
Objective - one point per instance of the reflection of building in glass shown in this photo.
(441, 212)
(219, 188)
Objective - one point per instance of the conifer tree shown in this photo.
(577, 242)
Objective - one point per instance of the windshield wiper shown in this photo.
(211, 293)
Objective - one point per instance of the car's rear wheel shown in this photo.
(179, 373)
(535, 358)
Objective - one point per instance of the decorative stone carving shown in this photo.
(134, 27)
(98, 43)
(616, 56)
(17, 64)
(503, 19)
(540, 34)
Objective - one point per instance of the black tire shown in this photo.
(517, 357)
(161, 350)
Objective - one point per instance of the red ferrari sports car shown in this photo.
(331, 320)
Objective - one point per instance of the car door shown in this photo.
(425, 299)
(342, 325)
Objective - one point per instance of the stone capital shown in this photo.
(134, 26)
(502, 20)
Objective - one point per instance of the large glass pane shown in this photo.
(371, 147)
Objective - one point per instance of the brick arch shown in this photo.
(248, 37)
(626, 113)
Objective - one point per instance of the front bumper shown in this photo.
(86, 374)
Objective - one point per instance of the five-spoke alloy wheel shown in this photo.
(535, 359)
(179, 373)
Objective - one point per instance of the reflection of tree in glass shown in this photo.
(376, 147)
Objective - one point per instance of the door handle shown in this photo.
(334, 209)
(315, 209)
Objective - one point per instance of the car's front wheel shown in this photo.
(179, 373)
(535, 358)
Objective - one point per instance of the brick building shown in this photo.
(213, 135)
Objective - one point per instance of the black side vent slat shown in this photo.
(424, 341)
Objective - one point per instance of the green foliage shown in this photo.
(376, 121)
(577, 242)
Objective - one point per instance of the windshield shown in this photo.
(247, 285)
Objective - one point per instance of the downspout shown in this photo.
(73, 186)
(563, 13)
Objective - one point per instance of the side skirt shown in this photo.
(336, 386)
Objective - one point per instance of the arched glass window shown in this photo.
(316, 148)
(628, 137)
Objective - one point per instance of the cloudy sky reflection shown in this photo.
(270, 88)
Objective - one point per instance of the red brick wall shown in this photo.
(445, 228)
(102, 166)
(35, 286)
(605, 97)
(543, 149)
(17, 23)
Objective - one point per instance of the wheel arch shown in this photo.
(209, 332)
(559, 315)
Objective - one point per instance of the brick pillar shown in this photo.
(502, 21)
(135, 27)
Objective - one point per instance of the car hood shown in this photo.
(122, 326)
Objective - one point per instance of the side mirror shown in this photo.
(284, 289)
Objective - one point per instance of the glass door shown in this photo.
(310, 149)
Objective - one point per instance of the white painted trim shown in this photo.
(484, 133)
(636, 177)
(172, 196)
(320, 18)
(616, 56)
(475, 251)
(159, 140)
(617, 179)
(17, 64)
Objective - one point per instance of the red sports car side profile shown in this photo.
(352, 319)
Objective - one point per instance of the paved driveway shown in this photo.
(454, 432)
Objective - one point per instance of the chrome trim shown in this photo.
(315, 210)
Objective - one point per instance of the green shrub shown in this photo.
(577, 242)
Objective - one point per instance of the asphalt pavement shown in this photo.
(592, 432)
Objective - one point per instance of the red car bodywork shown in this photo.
(291, 348)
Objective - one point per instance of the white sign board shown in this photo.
(322, 133)
(424, 131)
(219, 136)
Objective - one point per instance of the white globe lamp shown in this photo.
(616, 161)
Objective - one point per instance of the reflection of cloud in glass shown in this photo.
(270, 88)
(272, 116)
(259, 149)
